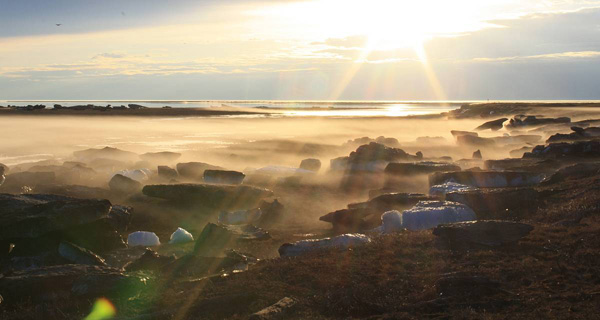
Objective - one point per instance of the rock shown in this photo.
(192, 265)
(139, 175)
(79, 255)
(136, 106)
(214, 239)
(470, 141)
(418, 168)
(277, 311)
(161, 157)
(143, 238)
(215, 196)
(194, 170)
(105, 153)
(34, 215)
(341, 242)
(488, 179)
(74, 191)
(441, 190)
(518, 153)
(521, 121)
(119, 217)
(493, 125)
(429, 214)
(167, 173)
(390, 142)
(573, 172)
(578, 134)
(458, 133)
(240, 217)
(271, 213)
(520, 164)
(73, 280)
(366, 215)
(477, 155)
(581, 149)
(223, 177)
(391, 201)
(350, 219)
(311, 164)
(181, 236)
(123, 185)
(150, 260)
(498, 203)
(487, 233)
(15, 181)
(457, 284)
(371, 157)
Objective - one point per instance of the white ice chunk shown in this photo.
(341, 242)
(143, 238)
(181, 236)
(442, 189)
(429, 214)
(391, 221)
(240, 217)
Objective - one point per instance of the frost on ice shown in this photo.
(143, 238)
(429, 214)
(181, 236)
(441, 190)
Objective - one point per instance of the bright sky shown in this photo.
(308, 50)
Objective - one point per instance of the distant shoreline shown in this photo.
(146, 112)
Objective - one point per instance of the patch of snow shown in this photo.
(441, 190)
(391, 221)
(181, 236)
(340, 242)
(143, 238)
(429, 214)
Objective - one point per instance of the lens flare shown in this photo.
(102, 309)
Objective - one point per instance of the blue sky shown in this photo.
(309, 50)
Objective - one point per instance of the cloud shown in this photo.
(549, 56)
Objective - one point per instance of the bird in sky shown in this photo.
(59, 24)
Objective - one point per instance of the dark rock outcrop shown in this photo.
(79, 255)
(487, 233)
(581, 149)
(488, 179)
(498, 203)
(477, 155)
(370, 157)
(150, 260)
(522, 121)
(223, 177)
(73, 280)
(123, 185)
(418, 168)
(195, 170)
(573, 172)
(311, 164)
(493, 125)
(214, 196)
(272, 213)
(16, 181)
(167, 173)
